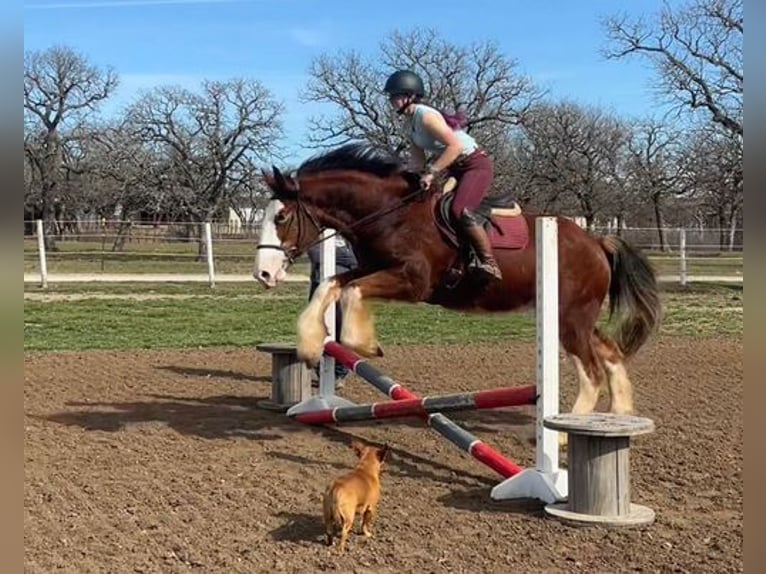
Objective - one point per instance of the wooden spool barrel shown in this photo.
(290, 377)
(598, 469)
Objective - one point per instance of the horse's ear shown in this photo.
(268, 179)
(279, 179)
(286, 183)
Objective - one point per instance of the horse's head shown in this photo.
(287, 229)
(349, 189)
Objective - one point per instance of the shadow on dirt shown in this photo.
(299, 527)
(218, 373)
(479, 500)
(223, 416)
(233, 416)
(401, 463)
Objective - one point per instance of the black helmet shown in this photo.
(404, 82)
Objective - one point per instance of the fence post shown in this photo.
(209, 252)
(682, 250)
(41, 251)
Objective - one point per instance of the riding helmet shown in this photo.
(404, 82)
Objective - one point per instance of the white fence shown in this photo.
(180, 251)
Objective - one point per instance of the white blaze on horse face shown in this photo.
(270, 259)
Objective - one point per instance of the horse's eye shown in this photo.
(280, 217)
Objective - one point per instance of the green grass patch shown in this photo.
(79, 317)
(704, 310)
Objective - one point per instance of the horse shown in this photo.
(402, 239)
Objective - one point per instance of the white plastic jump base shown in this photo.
(533, 483)
(318, 404)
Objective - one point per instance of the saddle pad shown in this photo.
(513, 232)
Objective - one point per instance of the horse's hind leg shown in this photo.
(577, 338)
(358, 329)
(620, 387)
(404, 283)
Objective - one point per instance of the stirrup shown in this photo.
(493, 270)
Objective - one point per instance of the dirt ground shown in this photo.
(159, 461)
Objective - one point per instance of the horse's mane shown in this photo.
(354, 156)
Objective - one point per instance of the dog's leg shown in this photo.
(343, 539)
(347, 526)
(367, 519)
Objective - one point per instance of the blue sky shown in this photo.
(155, 42)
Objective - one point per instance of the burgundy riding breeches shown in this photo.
(474, 177)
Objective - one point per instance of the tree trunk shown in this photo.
(123, 231)
(201, 247)
(48, 215)
(656, 204)
(732, 227)
(722, 228)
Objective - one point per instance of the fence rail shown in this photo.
(224, 250)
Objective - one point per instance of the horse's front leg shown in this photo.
(312, 330)
(358, 330)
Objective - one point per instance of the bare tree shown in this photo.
(251, 194)
(716, 173)
(656, 166)
(122, 177)
(696, 52)
(478, 81)
(571, 152)
(61, 91)
(208, 139)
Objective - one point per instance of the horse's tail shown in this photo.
(633, 288)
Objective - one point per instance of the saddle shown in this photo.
(501, 216)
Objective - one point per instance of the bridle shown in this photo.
(293, 251)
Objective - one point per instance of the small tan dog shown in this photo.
(355, 492)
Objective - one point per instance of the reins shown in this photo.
(356, 225)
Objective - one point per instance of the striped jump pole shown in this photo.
(437, 421)
(489, 399)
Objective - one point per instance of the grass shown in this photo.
(244, 315)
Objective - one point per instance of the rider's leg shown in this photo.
(480, 242)
(474, 177)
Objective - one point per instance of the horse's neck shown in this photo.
(342, 206)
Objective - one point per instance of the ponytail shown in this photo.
(456, 121)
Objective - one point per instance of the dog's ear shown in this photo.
(357, 447)
(383, 453)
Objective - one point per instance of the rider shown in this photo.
(458, 154)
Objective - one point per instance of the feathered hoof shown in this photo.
(310, 354)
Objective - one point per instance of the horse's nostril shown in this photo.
(265, 275)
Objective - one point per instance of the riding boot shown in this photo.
(480, 242)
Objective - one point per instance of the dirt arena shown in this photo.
(158, 461)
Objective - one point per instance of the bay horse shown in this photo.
(405, 253)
